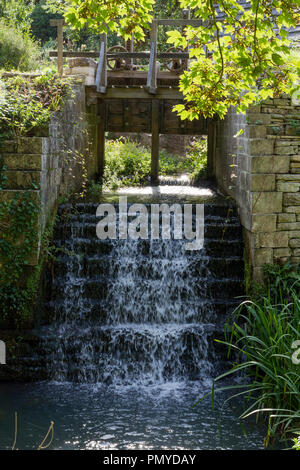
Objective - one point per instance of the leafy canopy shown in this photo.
(237, 62)
(124, 16)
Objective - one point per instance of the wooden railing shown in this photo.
(104, 55)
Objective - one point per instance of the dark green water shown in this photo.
(102, 417)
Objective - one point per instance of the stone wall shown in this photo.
(260, 169)
(51, 166)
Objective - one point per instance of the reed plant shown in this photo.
(265, 335)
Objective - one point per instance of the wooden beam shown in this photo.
(129, 45)
(125, 55)
(155, 142)
(186, 15)
(193, 22)
(211, 148)
(152, 74)
(101, 76)
(134, 93)
(60, 39)
(101, 137)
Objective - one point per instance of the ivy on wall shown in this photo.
(26, 105)
(18, 241)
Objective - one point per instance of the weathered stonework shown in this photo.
(260, 169)
(50, 166)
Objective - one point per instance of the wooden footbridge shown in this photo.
(129, 98)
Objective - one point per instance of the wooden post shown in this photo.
(101, 137)
(155, 142)
(186, 15)
(129, 46)
(211, 148)
(152, 73)
(60, 55)
(101, 76)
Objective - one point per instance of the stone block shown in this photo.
(288, 177)
(264, 223)
(263, 256)
(262, 182)
(294, 243)
(285, 150)
(261, 147)
(15, 161)
(270, 164)
(289, 226)
(295, 165)
(259, 119)
(258, 275)
(286, 218)
(31, 145)
(274, 240)
(291, 199)
(7, 195)
(22, 179)
(256, 132)
(292, 209)
(266, 203)
(281, 253)
(288, 186)
(8, 146)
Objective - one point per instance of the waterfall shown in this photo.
(140, 311)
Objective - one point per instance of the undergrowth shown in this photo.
(265, 334)
(129, 164)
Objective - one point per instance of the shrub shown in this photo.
(264, 334)
(26, 103)
(128, 163)
(18, 51)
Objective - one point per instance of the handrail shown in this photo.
(126, 55)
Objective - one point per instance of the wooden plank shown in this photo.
(164, 75)
(155, 141)
(101, 137)
(88, 54)
(56, 22)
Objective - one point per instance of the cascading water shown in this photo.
(140, 311)
(128, 344)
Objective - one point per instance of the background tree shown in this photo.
(237, 62)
